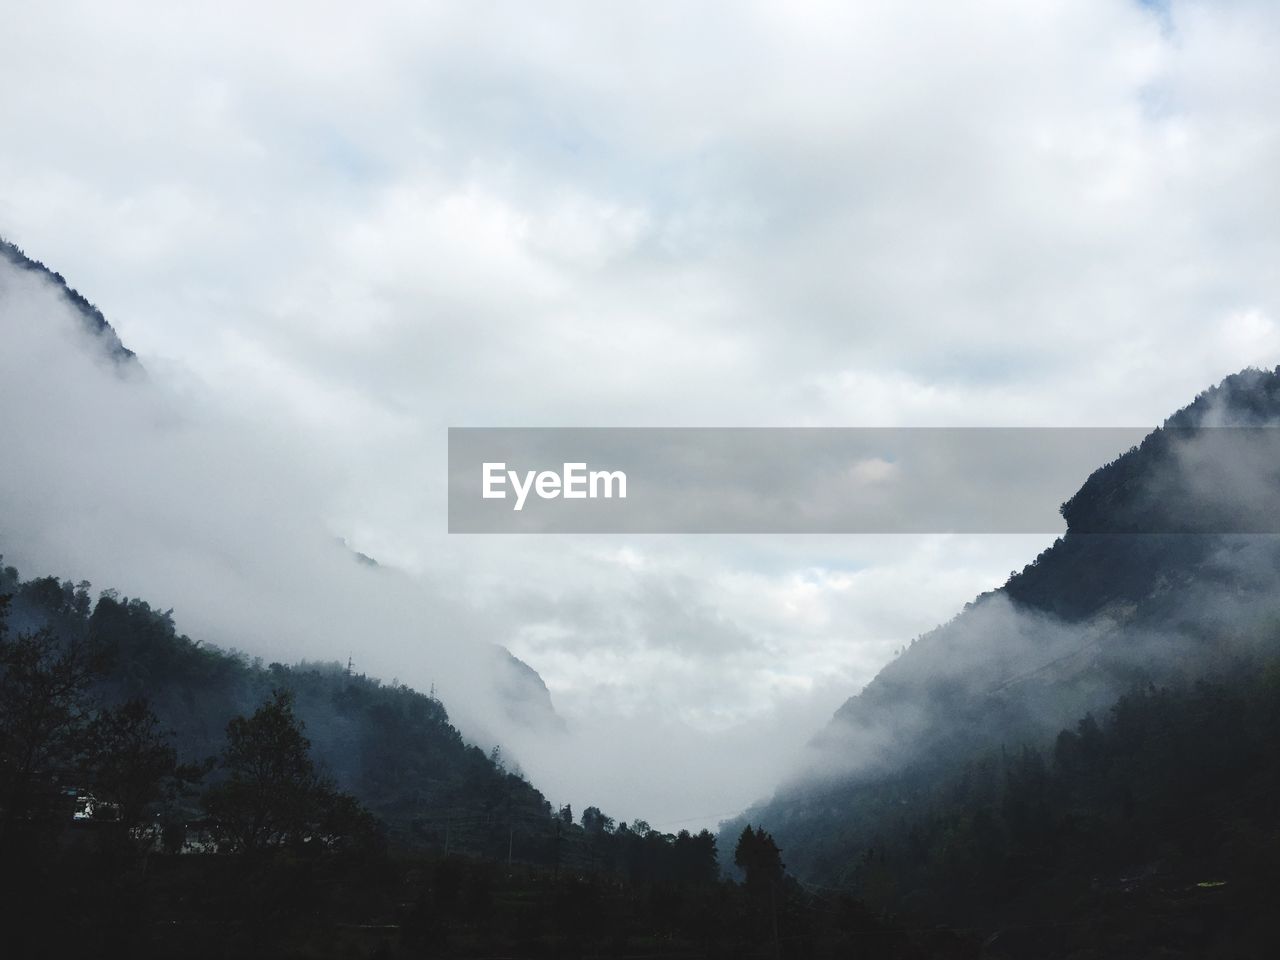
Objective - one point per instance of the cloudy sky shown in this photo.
(335, 231)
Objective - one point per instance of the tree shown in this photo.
(759, 858)
(594, 822)
(43, 694)
(272, 795)
(131, 761)
(695, 858)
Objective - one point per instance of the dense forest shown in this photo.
(393, 748)
(1083, 759)
(160, 797)
(1148, 831)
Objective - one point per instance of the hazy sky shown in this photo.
(334, 230)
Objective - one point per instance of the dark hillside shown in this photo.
(913, 788)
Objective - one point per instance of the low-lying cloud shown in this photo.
(331, 237)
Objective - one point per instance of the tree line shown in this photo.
(160, 797)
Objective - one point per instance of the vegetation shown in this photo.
(1126, 663)
(128, 830)
(90, 316)
(272, 796)
(1127, 829)
(161, 797)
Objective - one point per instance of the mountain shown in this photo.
(117, 840)
(391, 747)
(32, 291)
(521, 690)
(1128, 593)
(94, 322)
(524, 693)
(1156, 590)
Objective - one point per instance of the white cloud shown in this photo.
(353, 230)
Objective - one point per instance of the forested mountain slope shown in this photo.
(1148, 590)
(94, 322)
(34, 296)
(391, 747)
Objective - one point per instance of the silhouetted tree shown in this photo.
(694, 858)
(43, 711)
(273, 796)
(594, 822)
(759, 858)
(131, 762)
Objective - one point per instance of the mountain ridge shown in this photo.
(525, 696)
(1100, 612)
(93, 319)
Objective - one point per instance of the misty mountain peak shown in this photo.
(95, 324)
